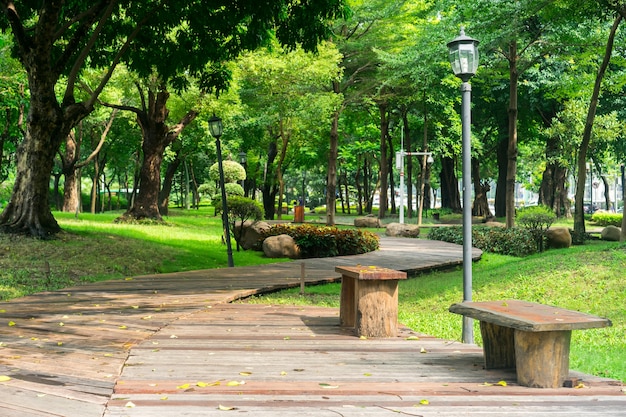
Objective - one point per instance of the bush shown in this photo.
(322, 242)
(241, 209)
(607, 219)
(515, 241)
(537, 220)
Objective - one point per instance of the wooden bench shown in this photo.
(532, 338)
(369, 300)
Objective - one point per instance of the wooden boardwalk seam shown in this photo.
(168, 345)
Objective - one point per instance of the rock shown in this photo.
(367, 221)
(611, 233)
(252, 232)
(403, 230)
(559, 237)
(281, 246)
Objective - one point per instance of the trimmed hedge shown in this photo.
(607, 219)
(515, 241)
(324, 241)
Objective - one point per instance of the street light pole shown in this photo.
(400, 165)
(216, 128)
(464, 60)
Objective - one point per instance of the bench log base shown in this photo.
(542, 358)
(369, 300)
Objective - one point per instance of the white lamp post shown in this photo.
(464, 60)
(400, 165)
(216, 129)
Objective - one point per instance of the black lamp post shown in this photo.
(464, 60)
(216, 129)
(243, 160)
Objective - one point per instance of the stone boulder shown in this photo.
(611, 233)
(402, 230)
(252, 232)
(367, 221)
(281, 246)
(559, 237)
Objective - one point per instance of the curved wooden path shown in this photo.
(171, 345)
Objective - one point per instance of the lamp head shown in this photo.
(215, 126)
(463, 54)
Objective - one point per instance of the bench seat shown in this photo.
(530, 337)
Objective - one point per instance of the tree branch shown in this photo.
(103, 137)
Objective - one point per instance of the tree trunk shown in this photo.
(480, 207)
(284, 136)
(270, 189)
(450, 196)
(390, 165)
(331, 180)
(383, 198)
(511, 172)
(409, 165)
(579, 215)
(157, 136)
(168, 179)
(28, 210)
(500, 203)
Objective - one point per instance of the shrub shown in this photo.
(322, 242)
(607, 219)
(241, 209)
(537, 220)
(515, 241)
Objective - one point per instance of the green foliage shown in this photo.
(537, 220)
(241, 209)
(322, 242)
(515, 241)
(232, 189)
(607, 219)
(233, 171)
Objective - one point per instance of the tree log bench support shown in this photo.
(532, 338)
(369, 300)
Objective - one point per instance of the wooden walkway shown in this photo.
(169, 345)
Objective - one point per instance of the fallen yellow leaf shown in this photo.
(225, 408)
(184, 386)
(4, 378)
(424, 402)
(164, 398)
(502, 383)
(123, 327)
(245, 373)
(11, 323)
(235, 383)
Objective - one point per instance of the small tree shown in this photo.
(241, 209)
(537, 220)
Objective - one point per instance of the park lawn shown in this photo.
(588, 278)
(93, 248)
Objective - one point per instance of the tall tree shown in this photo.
(57, 40)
